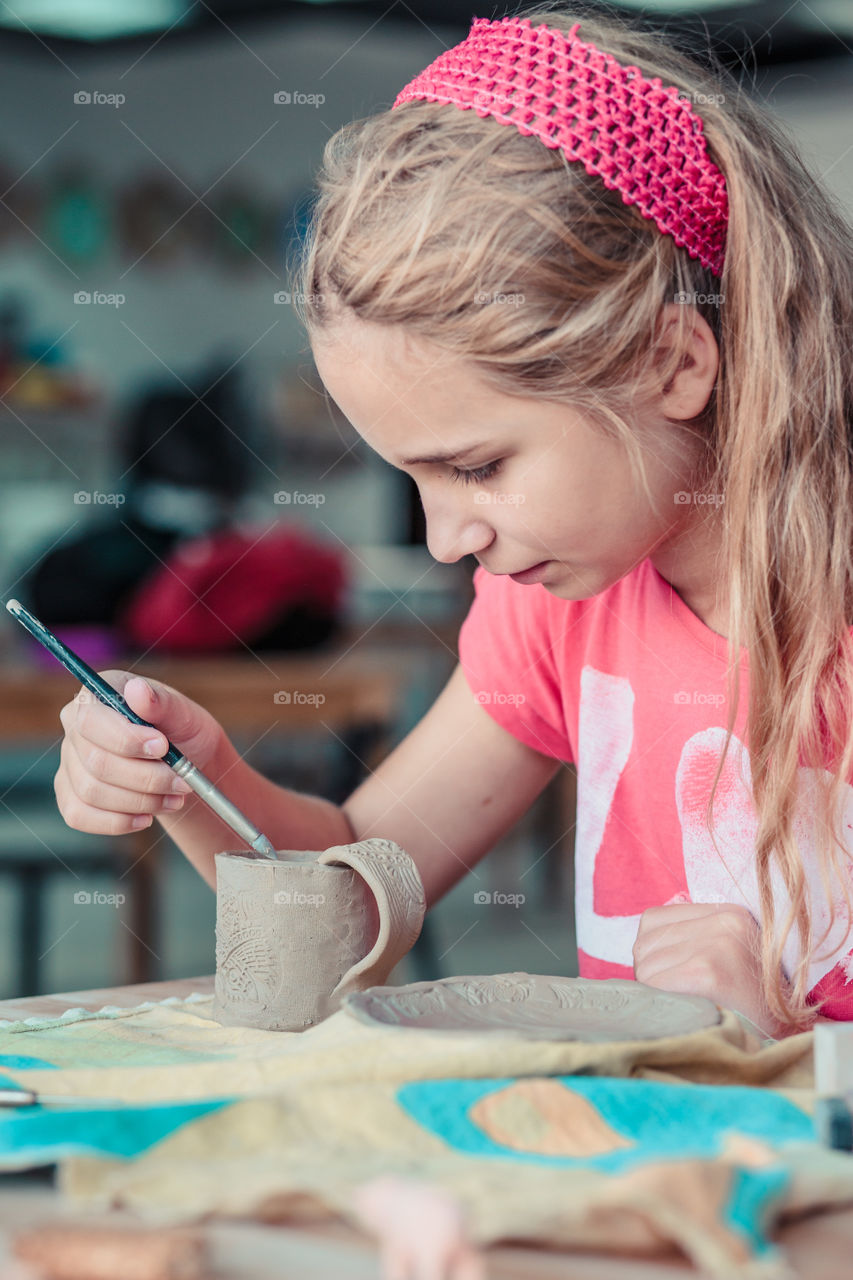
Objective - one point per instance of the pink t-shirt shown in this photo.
(630, 685)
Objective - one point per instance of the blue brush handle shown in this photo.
(195, 779)
(88, 678)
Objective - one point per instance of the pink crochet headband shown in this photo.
(650, 145)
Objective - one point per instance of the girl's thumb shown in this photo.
(144, 699)
(176, 717)
(141, 696)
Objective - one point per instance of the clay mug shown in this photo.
(293, 935)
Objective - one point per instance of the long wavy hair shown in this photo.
(420, 211)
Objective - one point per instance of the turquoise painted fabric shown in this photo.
(39, 1135)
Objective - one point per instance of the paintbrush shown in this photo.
(184, 768)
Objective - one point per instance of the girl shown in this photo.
(587, 294)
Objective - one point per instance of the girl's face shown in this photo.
(523, 484)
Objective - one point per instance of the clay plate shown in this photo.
(536, 1007)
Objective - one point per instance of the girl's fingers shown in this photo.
(83, 817)
(654, 963)
(85, 717)
(683, 912)
(656, 943)
(95, 793)
(148, 776)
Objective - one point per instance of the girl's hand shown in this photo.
(109, 780)
(705, 949)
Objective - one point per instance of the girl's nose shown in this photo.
(449, 537)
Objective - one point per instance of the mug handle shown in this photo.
(394, 880)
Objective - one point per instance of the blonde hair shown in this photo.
(422, 210)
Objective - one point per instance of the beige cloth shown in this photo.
(176, 1050)
(332, 1107)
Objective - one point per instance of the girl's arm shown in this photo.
(451, 789)
(445, 794)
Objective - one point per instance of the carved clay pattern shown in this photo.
(260, 945)
(537, 1007)
(247, 967)
(580, 997)
(408, 904)
(249, 971)
(417, 1006)
(492, 989)
(390, 874)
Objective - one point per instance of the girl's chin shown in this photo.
(567, 584)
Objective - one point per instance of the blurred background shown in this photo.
(177, 496)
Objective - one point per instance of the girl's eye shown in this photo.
(477, 474)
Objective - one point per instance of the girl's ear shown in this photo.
(689, 389)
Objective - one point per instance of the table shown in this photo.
(364, 682)
(238, 689)
(819, 1247)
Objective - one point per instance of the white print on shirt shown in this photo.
(605, 738)
(731, 876)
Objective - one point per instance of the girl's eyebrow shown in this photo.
(456, 455)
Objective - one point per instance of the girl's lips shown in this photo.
(529, 576)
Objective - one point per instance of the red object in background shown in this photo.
(218, 591)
